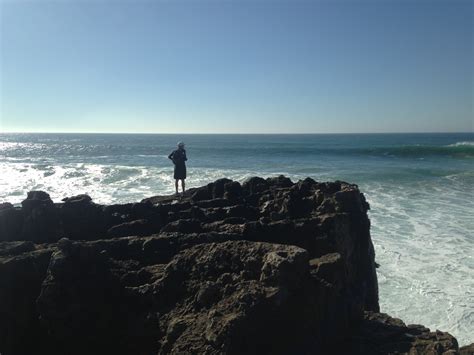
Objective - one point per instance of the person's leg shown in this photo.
(183, 185)
(176, 185)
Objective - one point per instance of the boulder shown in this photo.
(280, 181)
(232, 190)
(382, 334)
(254, 185)
(139, 227)
(22, 271)
(85, 306)
(41, 222)
(82, 219)
(237, 298)
(11, 222)
(183, 226)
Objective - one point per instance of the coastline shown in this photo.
(418, 186)
(328, 220)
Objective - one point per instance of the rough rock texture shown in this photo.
(467, 350)
(22, 270)
(382, 334)
(266, 267)
(237, 297)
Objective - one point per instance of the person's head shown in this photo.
(180, 145)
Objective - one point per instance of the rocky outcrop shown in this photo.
(23, 268)
(269, 266)
(381, 334)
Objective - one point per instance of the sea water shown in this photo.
(420, 188)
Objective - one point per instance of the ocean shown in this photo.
(420, 188)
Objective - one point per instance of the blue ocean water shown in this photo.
(420, 187)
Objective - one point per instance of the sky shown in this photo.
(222, 66)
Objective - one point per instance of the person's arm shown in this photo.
(185, 157)
(171, 156)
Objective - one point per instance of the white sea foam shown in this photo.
(104, 183)
(424, 242)
(422, 230)
(461, 144)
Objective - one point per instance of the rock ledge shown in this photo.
(264, 267)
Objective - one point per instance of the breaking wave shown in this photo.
(457, 150)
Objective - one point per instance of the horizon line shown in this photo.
(242, 133)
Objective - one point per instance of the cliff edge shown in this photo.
(264, 267)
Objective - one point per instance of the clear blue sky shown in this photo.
(237, 66)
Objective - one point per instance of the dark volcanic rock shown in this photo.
(467, 350)
(81, 218)
(11, 222)
(267, 267)
(254, 185)
(41, 222)
(22, 271)
(237, 298)
(85, 307)
(382, 334)
(138, 227)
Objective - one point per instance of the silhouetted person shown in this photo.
(179, 157)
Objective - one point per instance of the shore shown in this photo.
(267, 266)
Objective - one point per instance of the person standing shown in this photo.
(179, 158)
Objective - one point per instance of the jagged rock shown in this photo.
(41, 221)
(5, 206)
(236, 298)
(280, 181)
(183, 226)
(22, 271)
(83, 198)
(81, 218)
(467, 350)
(84, 307)
(11, 222)
(269, 266)
(233, 190)
(15, 248)
(217, 187)
(382, 334)
(201, 194)
(138, 227)
(254, 185)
